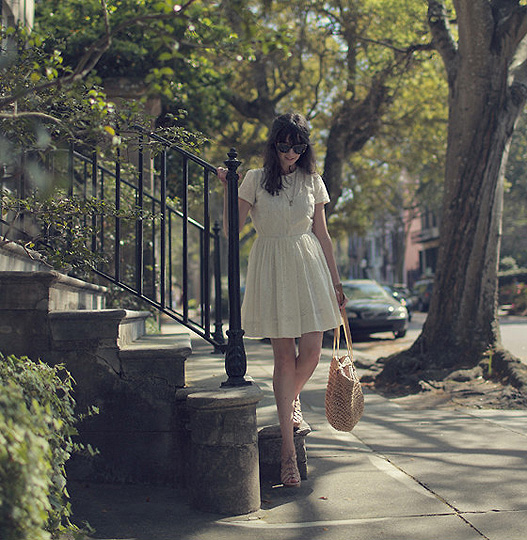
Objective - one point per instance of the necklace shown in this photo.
(292, 183)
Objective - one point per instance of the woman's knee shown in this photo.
(284, 355)
(310, 347)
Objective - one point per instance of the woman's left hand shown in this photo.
(341, 297)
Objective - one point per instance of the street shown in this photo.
(513, 334)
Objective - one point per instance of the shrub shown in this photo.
(37, 422)
(25, 467)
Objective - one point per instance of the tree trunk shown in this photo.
(462, 321)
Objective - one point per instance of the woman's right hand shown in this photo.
(222, 175)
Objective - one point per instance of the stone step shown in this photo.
(137, 430)
(156, 357)
(15, 258)
(47, 291)
(109, 328)
(104, 331)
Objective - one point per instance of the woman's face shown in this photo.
(289, 158)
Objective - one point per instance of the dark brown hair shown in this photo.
(292, 128)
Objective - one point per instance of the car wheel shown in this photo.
(399, 334)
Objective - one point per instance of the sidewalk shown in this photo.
(401, 474)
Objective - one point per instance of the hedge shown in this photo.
(37, 426)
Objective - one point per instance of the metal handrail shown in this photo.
(162, 249)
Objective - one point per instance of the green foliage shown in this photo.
(25, 458)
(508, 264)
(45, 111)
(44, 118)
(37, 421)
(268, 57)
(156, 50)
(226, 68)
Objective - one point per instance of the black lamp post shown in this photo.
(235, 358)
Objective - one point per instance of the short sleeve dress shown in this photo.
(288, 287)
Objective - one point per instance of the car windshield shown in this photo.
(364, 291)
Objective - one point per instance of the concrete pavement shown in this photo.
(402, 474)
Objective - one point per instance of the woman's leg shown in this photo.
(291, 372)
(284, 384)
(309, 349)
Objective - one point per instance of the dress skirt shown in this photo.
(288, 289)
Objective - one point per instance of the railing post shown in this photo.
(139, 270)
(117, 239)
(235, 358)
(218, 319)
(94, 166)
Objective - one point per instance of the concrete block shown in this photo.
(26, 290)
(124, 405)
(137, 430)
(132, 327)
(269, 446)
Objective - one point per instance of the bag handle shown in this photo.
(347, 333)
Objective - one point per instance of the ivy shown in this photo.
(37, 431)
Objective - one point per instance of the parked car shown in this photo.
(402, 295)
(422, 291)
(371, 309)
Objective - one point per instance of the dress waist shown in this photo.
(284, 236)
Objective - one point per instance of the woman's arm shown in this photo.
(320, 230)
(243, 206)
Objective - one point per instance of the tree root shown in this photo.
(411, 373)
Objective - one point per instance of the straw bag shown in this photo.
(344, 397)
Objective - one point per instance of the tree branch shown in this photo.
(511, 31)
(442, 38)
(410, 49)
(26, 114)
(518, 72)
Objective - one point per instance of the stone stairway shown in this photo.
(131, 377)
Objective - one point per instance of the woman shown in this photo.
(292, 288)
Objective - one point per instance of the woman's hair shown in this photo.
(293, 129)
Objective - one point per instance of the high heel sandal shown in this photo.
(289, 474)
(297, 413)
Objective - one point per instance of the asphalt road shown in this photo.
(513, 334)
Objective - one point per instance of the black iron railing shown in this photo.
(151, 246)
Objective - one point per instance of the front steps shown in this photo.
(129, 376)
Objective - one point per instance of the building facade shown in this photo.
(17, 12)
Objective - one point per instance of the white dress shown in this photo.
(288, 287)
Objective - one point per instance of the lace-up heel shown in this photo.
(289, 474)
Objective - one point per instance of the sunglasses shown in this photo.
(297, 148)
